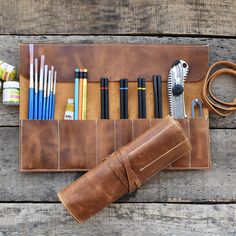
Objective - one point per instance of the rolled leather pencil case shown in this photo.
(126, 169)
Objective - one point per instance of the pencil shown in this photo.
(84, 102)
(40, 102)
(126, 99)
(36, 89)
(106, 97)
(45, 91)
(54, 94)
(76, 95)
(140, 107)
(143, 97)
(31, 84)
(102, 98)
(81, 93)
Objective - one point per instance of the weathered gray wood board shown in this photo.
(29, 204)
(212, 17)
(216, 185)
(220, 49)
(120, 219)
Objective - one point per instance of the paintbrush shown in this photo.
(40, 102)
(45, 91)
(51, 94)
(48, 93)
(54, 94)
(31, 85)
(36, 89)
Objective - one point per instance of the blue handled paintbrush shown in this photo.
(45, 91)
(51, 93)
(54, 94)
(36, 88)
(40, 103)
(48, 93)
(31, 84)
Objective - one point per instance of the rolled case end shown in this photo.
(126, 169)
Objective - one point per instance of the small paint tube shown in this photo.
(69, 113)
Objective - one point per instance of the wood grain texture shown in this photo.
(220, 49)
(216, 185)
(120, 219)
(212, 17)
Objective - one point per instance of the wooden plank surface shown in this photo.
(220, 49)
(216, 185)
(120, 219)
(212, 17)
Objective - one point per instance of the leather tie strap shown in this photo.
(213, 103)
(125, 173)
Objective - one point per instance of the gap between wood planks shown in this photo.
(121, 203)
(130, 35)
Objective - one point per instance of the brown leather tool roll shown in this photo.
(126, 169)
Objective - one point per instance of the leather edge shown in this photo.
(68, 209)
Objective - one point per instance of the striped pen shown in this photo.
(31, 84)
(36, 89)
(45, 91)
(40, 102)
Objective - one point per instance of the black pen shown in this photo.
(159, 92)
(106, 95)
(140, 107)
(126, 108)
(155, 96)
(102, 85)
(121, 99)
(143, 82)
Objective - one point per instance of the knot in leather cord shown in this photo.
(124, 171)
(213, 103)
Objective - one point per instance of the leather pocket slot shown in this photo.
(105, 139)
(199, 138)
(77, 145)
(39, 145)
(185, 161)
(123, 133)
(155, 121)
(139, 126)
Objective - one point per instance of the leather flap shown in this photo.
(117, 61)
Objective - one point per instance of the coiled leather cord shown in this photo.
(213, 103)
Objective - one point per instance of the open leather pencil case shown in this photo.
(79, 145)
